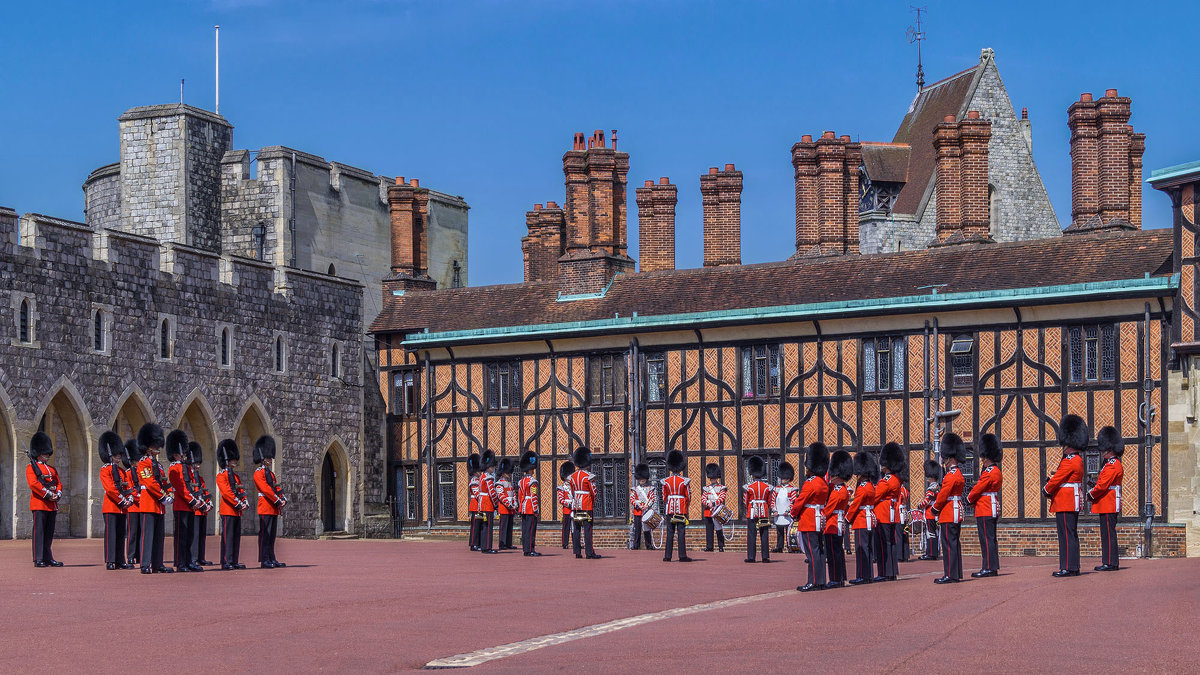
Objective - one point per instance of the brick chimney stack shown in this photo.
(961, 185)
(656, 225)
(1106, 162)
(827, 173)
(544, 244)
(408, 204)
(594, 216)
(721, 194)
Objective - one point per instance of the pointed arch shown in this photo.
(195, 418)
(132, 411)
(252, 422)
(8, 456)
(332, 474)
(63, 415)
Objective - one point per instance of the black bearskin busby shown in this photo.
(933, 470)
(786, 472)
(989, 448)
(756, 467)
(1109, 440)
(816, 460)
(865, 466)
(891, 457)
(582, 458)
(177, 445)
(133, 452)
(264, 448)
(227, 450)
(674, 461)
(528, 461)
(487, 460)
(565, 470)
(841, 465)
(953, 447)
(712, 470)
(195, 454)
(506, 467)
(150, 436)
(110, 444)
(40, 445)
(641, 471)
(1073, 433)
(473, 464)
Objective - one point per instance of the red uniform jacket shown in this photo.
(814, 492)
(38, 491)
(835, 510)
(508, 496)
(985, 495)
(269, 503)
(488, 496)
(177, 472)
(153, 492)
(759, 496)
(1065, 487)
(529, 496)
(677, 495)
(564, 498)
(902, 505)
(114, 499)
(949, 498)
(862, 506)
(202, 488)
(473, 494)
(887, 490)
(931, 491)
(583, 489)
(1106, 496)
(712, 495)
(226, 480)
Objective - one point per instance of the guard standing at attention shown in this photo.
(985, 497)
(156, 494)
(1106, 496)
(841, 468)
(949, 508)
(641, 497)
(1065, 491)
(677, 496)
(270, 502)
(200, 522)
(473, 499)
(233, 504)
(887, 491)
(933, 477)
(903, 546)
(808, 511)
(133, 520)
(582, 484)
(530, 500)
(118, 497)
(186, 501)
(712, 495)
(862, 516)
(44, 492)
(759, 497)
(488, 498)
(507, 506)
(563, 492)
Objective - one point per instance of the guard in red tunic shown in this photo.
(507, 506)
(712, 495)
(949, 508)
(1065, 491)
(233, 504)
(862, 516)
(200, 522)
(841, 468)
(677, 496)
(133, 519)
(530, 502)
(563, 492)
(44, 492)
(933, 478)
(582, 484)
(118, 497)
(887, 494)
(270, 502)
(489, 499)
(1106, 496)
(186, 501)
(473, 500)
(808, 510)
(985, 497)
(156, 494)
(758, 498)
(903, 547)
(641, 500)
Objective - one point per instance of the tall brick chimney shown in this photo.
(961, 149)
(827, 173)
(544, 244)
(408, 204)
(1106, 163)
(594, 217)
(721, 194)
(656, 225)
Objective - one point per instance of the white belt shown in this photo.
(1073, 485)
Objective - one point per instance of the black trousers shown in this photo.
(905, 546)
(582, 528)
(485, 534)
(266, 538)
(862, 554)
(780, 538)
(566, 530)
(199, 535)
(1108, 539)
(836, 554)
(676, 531)
(888, 556)
(987, 543)
(1068, 540)
(506, 530)
(637, 535)
(184, 520)
(932, 538)
(474, 529)
(528, 532)
(154, 533)
(710, 526)
(133, 527)
(760, 534)
(952, 560)
(231, 539)
(814, 546)
(114, 538)
(43, 535)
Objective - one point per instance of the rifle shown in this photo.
(122, 487)
(164, 483)
(199, 501)
(269, 476)
(52, 493)
(239, 493)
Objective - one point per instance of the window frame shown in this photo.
(955, 354)
(335, 360)
(1094, 342)
(164, 337)
(751, 379)
(406, 403)
(896, 360)
(102, 324)
(225, 346)
(442, 470)
(25, 320)
(502, 384)
(279, 353)
(612, 495)
(656, 381)
(603, 369)
(411, 491)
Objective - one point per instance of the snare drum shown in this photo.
(793, 539)
(651, 519)
(722, 514)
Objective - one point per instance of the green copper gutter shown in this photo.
(1100, 290)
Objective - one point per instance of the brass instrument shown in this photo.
(762, 522)
(581, 516)
(679, 519)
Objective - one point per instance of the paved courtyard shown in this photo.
(381, 606)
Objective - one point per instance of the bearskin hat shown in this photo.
(133, 450)
(933, 470)
(177, 444)
(816, 460)
(506, 467)
(110, 444)
(674, 461)
(989, 448)
(641, 471)
(1073, 433)
(865, 465)
(528, 461)
(841, 465)
(565, 469)
(487, 460)
(712, 470)
(1109, 440)
(582, 458)
(150, 436)
(40, 445)
(227, 450)
(473, 464)
(195, 454)
(786, 472)
(756, 467)
(264, 448)
(953, 447)
(891, 457)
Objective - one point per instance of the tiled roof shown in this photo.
(887, 162)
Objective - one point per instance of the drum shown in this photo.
(722, 514)
(793, 539)
(651, 519)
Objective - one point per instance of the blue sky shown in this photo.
(481, 98)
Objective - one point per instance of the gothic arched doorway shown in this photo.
(332, 481)
(253, 424)
(64, 421)
(7, 464)
(196, 422)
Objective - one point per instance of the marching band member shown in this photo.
(948, 506)
(712, 495)
(44, 492)
(887, 491)
(985, 497)
(903, 547)
(677, 495)
(489, 496)
(530, 502)
(200, 515)
(933, 476)
(473, 500)
(841, 467)
(808, 512)
(186, 501)
(270, 502)
(759, 498)
(564, 500)
(1106, 496)
(155, 495)
(133, 520)
(1065, 491)
(862, 515)
(783, 496)
(582, 484)
(507, 506)
(641, 497)
(233, 504)
(118, 497)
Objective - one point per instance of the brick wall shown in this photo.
(826, 173)
(721, 196)
(656, 225)
(1106, 163)
(962, 179)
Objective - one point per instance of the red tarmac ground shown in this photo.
(382, 606)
